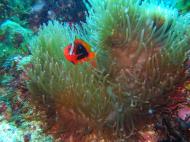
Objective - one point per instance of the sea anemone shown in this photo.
(146, 50)
(72, 92)
(183, 6)
(140, 57)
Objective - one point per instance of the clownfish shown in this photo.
(79, 52)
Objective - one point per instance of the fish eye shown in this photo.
(80, 46)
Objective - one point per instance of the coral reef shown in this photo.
(14, 40)
(15, 10)
(138, 91)
(26, 131)
(33, 13)
(19, 121)
(14, 46)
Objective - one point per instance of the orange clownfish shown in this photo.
(79, 52)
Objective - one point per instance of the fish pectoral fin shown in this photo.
(91, 55)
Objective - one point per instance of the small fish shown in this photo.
(79, 52)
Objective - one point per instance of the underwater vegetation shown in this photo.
(140, 55)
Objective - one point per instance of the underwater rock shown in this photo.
(11, 28)
(38, 6)
(184, 113)
(24, 62)
(5, 79)
(10, 132)
(61, 10)
(15, 10)
(11, 62)
(14, 42)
